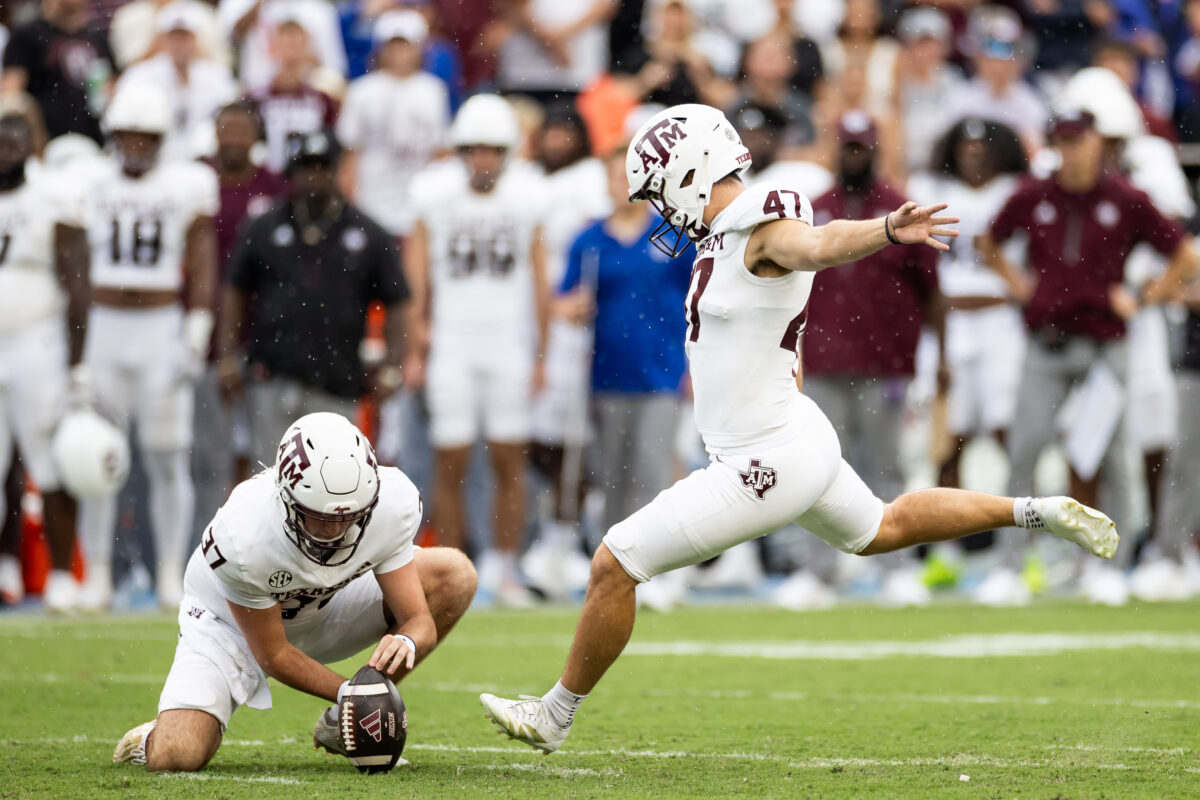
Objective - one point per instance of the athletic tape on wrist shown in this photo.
(408, 641)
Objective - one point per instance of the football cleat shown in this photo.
(526, 720)
(1071, 520)
(327, 733)
(132, 747)
(61, 595)
(12, 586)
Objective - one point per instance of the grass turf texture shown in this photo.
(1090, 723)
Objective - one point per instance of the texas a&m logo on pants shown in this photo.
(758, 479)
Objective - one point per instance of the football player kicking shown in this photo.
(775, 457)
(307, 563)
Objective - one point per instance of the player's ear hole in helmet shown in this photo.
(328, 481)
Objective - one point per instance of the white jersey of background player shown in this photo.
(306, 564)
(150, 225)
(985, 334)
(477, 269)
(775, 457)
(393, 121)
(43, 318)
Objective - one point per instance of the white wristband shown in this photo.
(197, 329)
(408, 641)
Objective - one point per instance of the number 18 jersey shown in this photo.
(743, 332)
(138, 227)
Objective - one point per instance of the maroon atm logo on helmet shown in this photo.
(293, 460)
(759, 479)
(655, 146)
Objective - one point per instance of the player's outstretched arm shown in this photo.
(793, 244)
(279, 658)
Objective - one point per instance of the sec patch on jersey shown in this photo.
(368, 725)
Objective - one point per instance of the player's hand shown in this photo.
(391, 654)
(913, 224)
(576, 307)
(413, 370)
(1122, 301)
(229, 380)
(81, 391)
(537, 380)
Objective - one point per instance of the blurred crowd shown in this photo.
(413, 212)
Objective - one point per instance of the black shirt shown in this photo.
(308, 304)
(1191, 349)
(64, 70)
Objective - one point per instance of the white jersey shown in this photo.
(962, 271)
(245, 556)
(29, 287)
(743, 331)
(481, 276)
(577, 196)
(395, 125)
(138, 227)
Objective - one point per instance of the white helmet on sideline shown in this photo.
(139, 108)
(485, 119)
(1101, 92)
(674, 160)
(326, 472)
(90, 454)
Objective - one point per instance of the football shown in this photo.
(373, 722)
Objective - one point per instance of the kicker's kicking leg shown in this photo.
(603, 631)
(936, 515)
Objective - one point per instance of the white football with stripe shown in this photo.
(373, 721)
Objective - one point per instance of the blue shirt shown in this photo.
(640, 321)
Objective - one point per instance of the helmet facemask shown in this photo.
(684, 217)
(326, 475)
(324, 551)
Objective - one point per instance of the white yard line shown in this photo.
(815, 762)
(745, 694)
(558, 772)
(957, 760)
(217, 776)
(966, 646)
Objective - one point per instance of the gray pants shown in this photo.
(635, 447)
(212, 452)
(276, 403)
(1046, 381)
(1180, 507)
(867, 413)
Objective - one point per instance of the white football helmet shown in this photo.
(674, 160)
(1109, 100)
(90, 454)
(485, 119)
(139, 108)
(326, 471)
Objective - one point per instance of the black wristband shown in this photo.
(887, 230)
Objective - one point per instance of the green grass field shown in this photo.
(1056, 701)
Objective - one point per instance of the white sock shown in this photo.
(562, 704)
(559, 535)
(1026, 516)
(508, 567)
